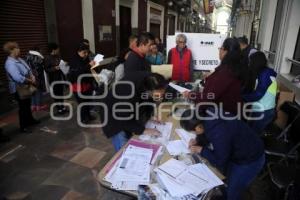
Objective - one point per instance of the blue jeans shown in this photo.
(260, 125)
(240, 176)
(119, 140)
(36, 98)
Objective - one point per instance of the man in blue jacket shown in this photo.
(229, 145)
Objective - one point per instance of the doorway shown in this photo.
(125, 26)
(171, 25)
(155, 29)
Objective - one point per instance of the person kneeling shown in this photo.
(229, 145)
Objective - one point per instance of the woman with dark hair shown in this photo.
(230, 145)
(141, 89)
(55, 74)
(223, 86)
(19, 74)
(35, 60)
(155, 57)
(260, 88)
(80, 65)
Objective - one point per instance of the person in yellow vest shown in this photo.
(182, 60)
(260, 89)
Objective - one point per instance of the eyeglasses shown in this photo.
(181, 42)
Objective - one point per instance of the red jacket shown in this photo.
(221, 87)
(181, 66)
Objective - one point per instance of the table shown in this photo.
(166, 116)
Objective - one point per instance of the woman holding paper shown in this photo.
(129, 105)
(52, 68)
(230, 145)
(35, 60)
(19, 74)
(79, 67)
(223, 87)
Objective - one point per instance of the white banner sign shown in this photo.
(204, 48)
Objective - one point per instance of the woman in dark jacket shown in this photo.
(261, 90)
(134, 97)
(79, 66)
(223, 87)
(55, 74)
(35, 60)
(230, 145)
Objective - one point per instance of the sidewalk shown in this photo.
(45, 165)
(64, 165)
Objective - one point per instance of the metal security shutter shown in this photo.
(23, 22)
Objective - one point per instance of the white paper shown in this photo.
(165, 129)
(131, 170)
(171, 185)
(181, 180)
(63, 67)
(177, 147)
(98, 58)
(178, 88)
(134, 164)
(127, 185)
(172, 167)
(185, 136)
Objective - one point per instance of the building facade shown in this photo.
(273, 26)
(106, 24)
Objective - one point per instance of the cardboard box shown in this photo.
(284, 95)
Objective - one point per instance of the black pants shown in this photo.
(25, 115)
(58, 90)
(85, 110)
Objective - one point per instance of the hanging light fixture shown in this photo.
(170, 3)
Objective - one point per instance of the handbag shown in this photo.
(25, 91)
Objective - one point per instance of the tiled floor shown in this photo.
(49, 166)
(62, 166)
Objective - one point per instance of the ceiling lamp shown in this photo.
(170, 3)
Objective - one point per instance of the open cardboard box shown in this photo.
(284, 95)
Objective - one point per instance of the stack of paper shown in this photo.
(178, 147)
(98, 58)
(164, 128)
(181, 180)
(132, 169)
(139, 154)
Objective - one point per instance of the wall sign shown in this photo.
(204, 47)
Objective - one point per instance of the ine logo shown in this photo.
(207, 43)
